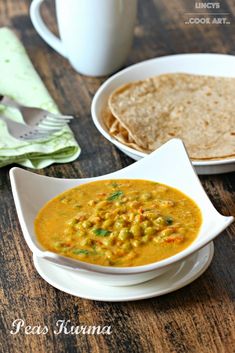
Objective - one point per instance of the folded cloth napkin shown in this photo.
(20, 81)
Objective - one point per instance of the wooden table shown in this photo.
(195, 319)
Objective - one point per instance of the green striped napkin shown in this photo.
(19, 80)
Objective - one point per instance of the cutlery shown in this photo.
(23, 132)
(37, 116)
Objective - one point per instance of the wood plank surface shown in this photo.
(196, 319)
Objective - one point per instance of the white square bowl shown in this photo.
(168, 165)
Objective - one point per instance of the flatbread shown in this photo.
(118, 131)
(198, 109)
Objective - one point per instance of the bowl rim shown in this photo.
(99, 93)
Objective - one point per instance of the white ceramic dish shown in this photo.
(179, 276)
(169, 165)
(201, 64)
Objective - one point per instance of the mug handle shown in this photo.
(42, 29)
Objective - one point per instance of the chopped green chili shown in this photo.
(101, 232)
(115, 195)
(80, 251)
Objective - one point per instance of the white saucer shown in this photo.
(180, 275)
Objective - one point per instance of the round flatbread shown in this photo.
(198, 109)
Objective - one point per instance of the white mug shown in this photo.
(96, 35)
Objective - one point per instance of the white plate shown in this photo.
(179, 276)
(201, 64)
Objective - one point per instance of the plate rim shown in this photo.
(99, 92)
(210, 253)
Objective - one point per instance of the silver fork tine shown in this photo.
(24, 132)
(53, 120)
(54, 117)
(47, 114)
(58, 116)
(47, 125)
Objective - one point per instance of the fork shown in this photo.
(23, 132)
(37, 116)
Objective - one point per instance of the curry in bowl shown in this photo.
(122, 223)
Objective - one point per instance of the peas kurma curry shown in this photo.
(118, 222)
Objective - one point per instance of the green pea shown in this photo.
(72, 222)
(57, 244)
(80, 233)
(132, 254)
(107, 223)
(146, 196)
(158, 227)
(108, 254)
(167, 203)
(135, 243)
(124, 217)
(91, 203)
(145, 239)
(78, 226)
(127, 246)
(134, 204)
(136, 230)
(145, 224)
(131, 217)
(113, 235)
(98, 249)
(124, 234)
(68, 231)
(95, 219)
(151, 215)
(138, 218)
(119, 223)
(85, 241)
(131, 198)
(166, 232)
(86, 224)
(107, 242)
(101, 205)
(149, 231)
(157, 239)
(160, 221)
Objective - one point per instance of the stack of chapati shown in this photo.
(198, 109)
